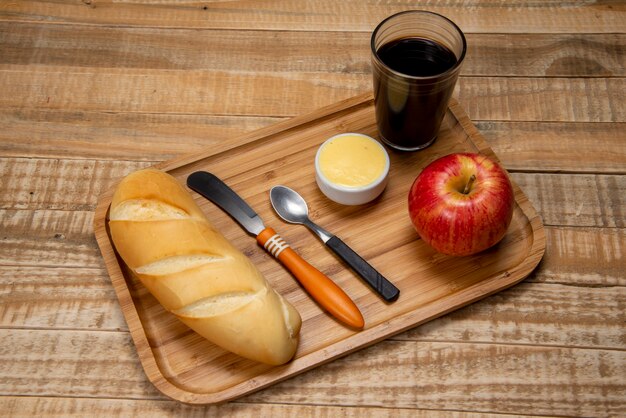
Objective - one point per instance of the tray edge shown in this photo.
(402, 323)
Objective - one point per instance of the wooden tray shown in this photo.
(186, 367)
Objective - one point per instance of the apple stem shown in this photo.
(468, 186)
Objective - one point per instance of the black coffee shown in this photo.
(409, 111)
(418, 57)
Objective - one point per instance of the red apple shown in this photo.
(461, 204)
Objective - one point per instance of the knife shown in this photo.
(322, 289)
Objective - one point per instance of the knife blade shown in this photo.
(321, 288)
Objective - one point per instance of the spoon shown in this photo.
(292, 208)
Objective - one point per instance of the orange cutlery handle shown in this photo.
(319, 286)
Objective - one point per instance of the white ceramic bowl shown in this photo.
(351, 195)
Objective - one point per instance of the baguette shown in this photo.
(195, 273)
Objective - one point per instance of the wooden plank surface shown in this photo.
(288, 94)
(417, 369)
(93, 90)
(54, 407)
(521, 146)
(520, 55)
(553, 16)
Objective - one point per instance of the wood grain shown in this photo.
(59, 184)
(544, 380)
(543, 81)
(48, 238)
(530, 55)
(433, 375)
(486, 16)
(58, 298)
(45, 407)
(604, 207)
(528, 99)
(584, 256)
(558, 147)
(521, 146)
(85, 363)
(517, 316)
(56, 133)
(294, 93)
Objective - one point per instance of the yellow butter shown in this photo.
(352, 160)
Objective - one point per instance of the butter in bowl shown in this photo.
(351, 168)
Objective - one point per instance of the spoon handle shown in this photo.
(373, 278)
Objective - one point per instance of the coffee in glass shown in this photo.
(416, 59)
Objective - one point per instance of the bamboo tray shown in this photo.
(188, 368)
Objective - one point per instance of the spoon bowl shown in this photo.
(289, 205)
(292, 208)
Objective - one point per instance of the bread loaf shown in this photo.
(195, 273)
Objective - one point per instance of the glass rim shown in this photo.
(452, 69)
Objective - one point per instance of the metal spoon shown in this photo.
(291, 207)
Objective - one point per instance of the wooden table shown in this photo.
(93, 90)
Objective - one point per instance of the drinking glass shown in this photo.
(410, 105)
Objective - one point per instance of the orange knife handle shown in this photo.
(319, 286)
